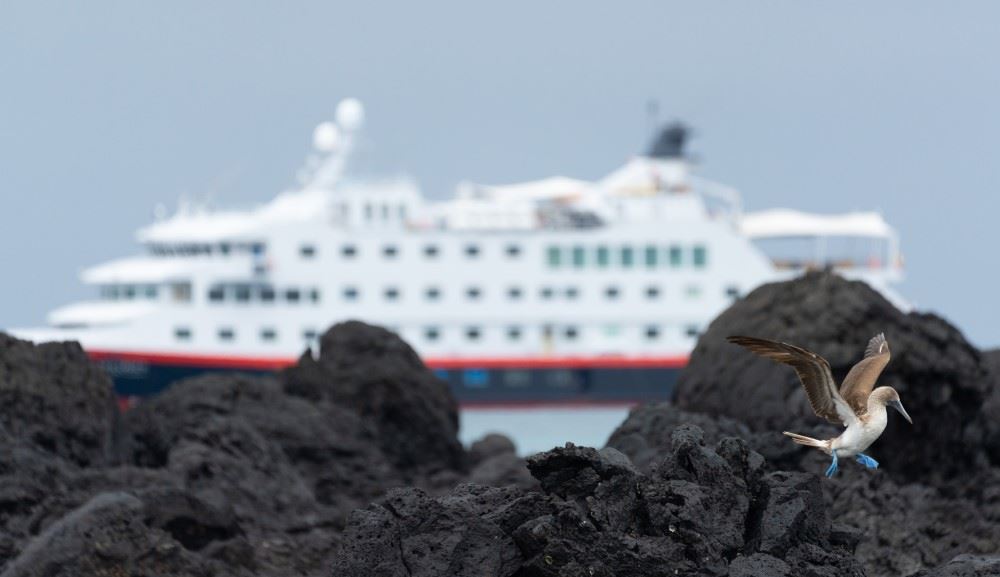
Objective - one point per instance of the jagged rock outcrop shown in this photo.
(702, 510)
(54, 399)
(222, 474)
(378, 376)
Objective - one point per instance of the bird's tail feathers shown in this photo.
(809, 441)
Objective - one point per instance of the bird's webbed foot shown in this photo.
(832, 469)
(867, 461)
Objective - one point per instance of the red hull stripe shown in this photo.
(275, 363)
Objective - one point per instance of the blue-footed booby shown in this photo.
(855, 406)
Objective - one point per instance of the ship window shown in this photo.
(570, 333)
(385, 212)
(516, 378)
(391, 293)
(181, 291)
(350, 293)
(227, 334)
(652, 333)
(216, 293)
(473, 293)
(554, 256)
(268, 334)
(513, 250)
(390, 251)
(225, 248)
(432, 293)
(612, 292)
(603, 256)
(560, 378)
(675, 256)
(257, 248)
(572, 292)
(733, 291)
(472, 333)
(242, 293)
(348, 251)
(182, 333)
(151, 291)
(627, 256)
(369, 211)
(652, 292)
(129, 292)
(110, 292)
(431, 251)
(578, 256)
(692, 331)
(292, 295)
(699, 256)
(267, 294)
(546, 293)
(651, 256)
(314, 295)
(401, 211)
(309, 334)
(514, 293)
(475, 378)
(693, 291)
(307, 251)
(432, 333)
(472, 251)
(514, 333)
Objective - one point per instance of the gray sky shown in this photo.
(107, 108)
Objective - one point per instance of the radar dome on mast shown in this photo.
(326, 137)
(350, 114)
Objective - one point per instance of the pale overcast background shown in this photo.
(107, 108)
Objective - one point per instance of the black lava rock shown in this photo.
(378, 376)
(703, 510)
(53, 398)
(222, 474)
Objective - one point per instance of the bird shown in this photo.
(857, 405)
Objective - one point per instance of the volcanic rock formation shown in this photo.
(220, 474)
(702, 510)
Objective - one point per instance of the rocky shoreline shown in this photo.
(348, 463)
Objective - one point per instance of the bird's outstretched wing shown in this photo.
(861, 379)
(813, 371)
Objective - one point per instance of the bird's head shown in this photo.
(888, 397)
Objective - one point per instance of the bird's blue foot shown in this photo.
(832, 469)
(867, 461)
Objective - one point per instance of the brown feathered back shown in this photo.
(861, 379)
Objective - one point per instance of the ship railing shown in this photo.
(721, 201)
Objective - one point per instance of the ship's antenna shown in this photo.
(652, 117)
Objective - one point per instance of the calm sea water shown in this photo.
(534, 430)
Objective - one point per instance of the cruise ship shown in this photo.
(557, 291)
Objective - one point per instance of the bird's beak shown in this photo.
(899, 407)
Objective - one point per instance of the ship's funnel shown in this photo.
(670, 142)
